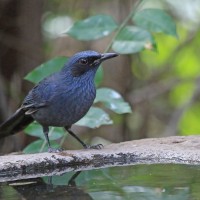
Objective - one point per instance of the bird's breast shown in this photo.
(67, 105)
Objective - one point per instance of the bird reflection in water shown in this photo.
(35, 189)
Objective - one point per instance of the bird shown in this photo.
(61, 99)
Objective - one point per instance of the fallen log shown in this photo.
(176, 150)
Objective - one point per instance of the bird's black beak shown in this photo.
(106, 56)
(103, 57)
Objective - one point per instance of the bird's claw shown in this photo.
(54, 150)
(97, 146)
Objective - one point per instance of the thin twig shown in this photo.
(123, 24)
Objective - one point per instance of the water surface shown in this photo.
(137, 182)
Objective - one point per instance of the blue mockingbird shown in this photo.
(60, 99)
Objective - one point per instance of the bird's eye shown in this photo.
(83, 61)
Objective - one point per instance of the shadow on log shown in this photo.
(177, 150)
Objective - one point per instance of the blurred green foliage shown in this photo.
(178, 62)
(127, 39)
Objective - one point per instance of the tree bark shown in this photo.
(20, 51)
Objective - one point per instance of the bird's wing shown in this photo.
(38, 97)
(33, 102)
(22, 117)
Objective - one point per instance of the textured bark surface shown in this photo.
(177, 150)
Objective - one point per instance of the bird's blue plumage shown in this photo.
(62, 98)
(67, 98)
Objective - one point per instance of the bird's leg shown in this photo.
(77, 138)
(86, 146)
(50, 149)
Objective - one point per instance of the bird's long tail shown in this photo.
(17, 122)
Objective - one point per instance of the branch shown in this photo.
(177, 149)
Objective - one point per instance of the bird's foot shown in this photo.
(97, 146)
(54, 150)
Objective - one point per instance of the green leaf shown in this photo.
(94, 118)
(46, 69)
(133, 39)
(99, 76)
(93, 28)
(35, 147)
(112, 100)
(35, 130)
(155, 20)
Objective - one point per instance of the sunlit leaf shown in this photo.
(95, 118)
(182, 93)
(155, 20)
(167, 45)
(184, 67)
(35, 129)
(189, 123)
(46, 69)
(112, 100)
(93, 28)
(36, 146)
(133, 39)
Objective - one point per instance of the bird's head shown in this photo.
(86, 61)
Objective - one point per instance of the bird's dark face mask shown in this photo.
(84, 64)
